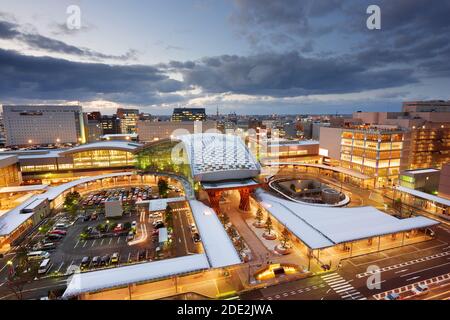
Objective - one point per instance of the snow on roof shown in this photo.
(216, 157)
(34, 187)
(215, 240)
(324, 227)
(424, 195)
(142, 272)
(161, 204)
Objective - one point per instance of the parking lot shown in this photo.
(79, 237)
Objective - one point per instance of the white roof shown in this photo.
(161, 204)
(229, 184)
(419, 171)
(143, 272)
(215, 240)
(34, 187)
(11, 220)
(320, 227)
(102, 145)
(7, 160)
(424, 195)
(350, 172)
(216, 157)
(162, 235)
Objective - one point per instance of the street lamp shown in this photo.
(30, 141)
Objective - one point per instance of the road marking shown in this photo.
(85, 243)
(60, 266)
(408, 274)
(93, 243)
(413, 278)
(101, 243)
(110, 239)
(76, 244)
(118, 240)
(129, 254)
(404, 264)
(404, 270)
(341, 286)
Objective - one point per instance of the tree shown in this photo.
(163, 187)
(269, 225)
(21, 274)
(285, 237)
(71, 202)
(240, 245)
(293, 187)
(168, 217)
(259, 216)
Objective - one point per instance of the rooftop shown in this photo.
(320, 227)
(142, 272)
(424, 195)
(217, 157)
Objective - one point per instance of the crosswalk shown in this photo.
(342, 287)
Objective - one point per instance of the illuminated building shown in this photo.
(9, 171)
(156, 130)
(189, 114)
(47, 124)
(128, 119)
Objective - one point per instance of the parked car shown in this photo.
(57, 231)
(61, 226)
(130, 236)
(134, 224)
(158, 224)
(420, 289)
(118, 228)
(54, 237)
(115, 258)
(38, 255)
(193, 228)
(85, 263)
(196, 237)
(392, 296)
(95, 261)
(105, 260)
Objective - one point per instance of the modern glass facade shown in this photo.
(158, 157)
(375, 153)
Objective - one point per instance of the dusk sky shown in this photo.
(243, 56)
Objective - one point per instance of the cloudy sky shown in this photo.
(243, 56)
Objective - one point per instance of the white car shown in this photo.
(420, 289)
(134, 224)
(193, 228)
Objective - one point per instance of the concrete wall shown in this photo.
(330, 139)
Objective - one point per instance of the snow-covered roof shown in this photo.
(424, 195)
(218, 246)
(143, 272)
(325, 227)
(216, 157)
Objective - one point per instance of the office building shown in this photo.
(47, 124)
(110, 124)
(188, 114)
(128, 119)
(151, 130)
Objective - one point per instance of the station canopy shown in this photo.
(320, 227)
(219, 157)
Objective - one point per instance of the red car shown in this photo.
(60, 232)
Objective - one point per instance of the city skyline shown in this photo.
(290, 57)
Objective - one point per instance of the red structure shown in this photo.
(214, 195)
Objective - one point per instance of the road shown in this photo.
(397, 268)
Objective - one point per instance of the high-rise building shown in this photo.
(128, 119)
(189, 114)
(43, 124)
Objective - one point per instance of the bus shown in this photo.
(38, 255)
(45, 266)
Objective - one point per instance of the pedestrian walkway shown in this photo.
(342, 287)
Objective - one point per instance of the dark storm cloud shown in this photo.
(290, 74)
(46, 78)
(11, 31)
